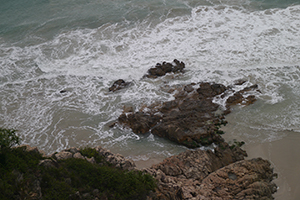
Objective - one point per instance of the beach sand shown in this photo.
(283, 154)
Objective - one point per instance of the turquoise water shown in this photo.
(84, 46)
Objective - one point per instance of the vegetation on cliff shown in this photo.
(23, 177)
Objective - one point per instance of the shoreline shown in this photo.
(282, 154)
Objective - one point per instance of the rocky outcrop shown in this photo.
(246, 179)
(192, 118)
(222, 174)
(219, 173)
(116, 160)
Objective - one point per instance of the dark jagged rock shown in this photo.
(164, 68)
(239, 98)
(190, 119)
(139, 122)
(118, 85)
(208, 90)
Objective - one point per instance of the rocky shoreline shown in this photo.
(222, 173)
(192, 119)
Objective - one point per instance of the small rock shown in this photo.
(78, 155)
(91, 160)
(74, 150)
(164, 68)
(118, 85)
(48, 163)
(63, 91)
(63, 155)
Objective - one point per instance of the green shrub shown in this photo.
(84, 177)
(8, 138)
(91, 152)
(21, 175)
(236, 144)
(18, 172)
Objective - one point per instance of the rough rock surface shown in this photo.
(222, 174)
(246, 179)
(118, 85)
(164, 68)
(192, 118)
(115, 160)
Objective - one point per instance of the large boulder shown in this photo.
(246, 179)
(218, 174)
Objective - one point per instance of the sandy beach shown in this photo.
(282, 153)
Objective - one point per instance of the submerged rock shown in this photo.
(118, 85)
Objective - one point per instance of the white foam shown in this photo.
(217, 43)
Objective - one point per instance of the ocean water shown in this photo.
(84, 46)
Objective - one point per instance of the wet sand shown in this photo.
(284, 157)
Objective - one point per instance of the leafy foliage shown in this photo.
(90, 152)
(8, 138)
(84, 177)
(21, 176)
(236, 144)
(18, 171)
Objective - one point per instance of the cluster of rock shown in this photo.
(222, 174)
(192, 118)
(116, 160)
(164, 68)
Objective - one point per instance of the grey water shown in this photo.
(82, 47)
